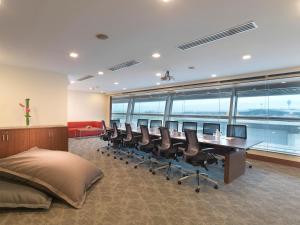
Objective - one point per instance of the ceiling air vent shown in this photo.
(124, 65)
(223, 34)
(85, 78)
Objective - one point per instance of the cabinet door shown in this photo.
(40, 137)
(59, 138)
(18, 140)
(4, 146)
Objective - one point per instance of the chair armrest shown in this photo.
(207, 149)
(178, 144)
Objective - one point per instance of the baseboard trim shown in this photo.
(282, 159)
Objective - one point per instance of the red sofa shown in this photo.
(73, 128)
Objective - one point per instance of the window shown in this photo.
(270, 109)
(119, 109)
(210, 106)
(151, 109)
(272, 113)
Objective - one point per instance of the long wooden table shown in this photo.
(233, 149)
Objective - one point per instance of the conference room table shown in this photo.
(233, 150)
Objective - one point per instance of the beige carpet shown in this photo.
(267, 194)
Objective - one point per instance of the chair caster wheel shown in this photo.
(153, 172)
(115, 157)
(167, 178)
(184, 175)
(216, 187)
(126, 162)
(102, 153)
(150, 170)
(197, 190)
(121, 159)
(250, 166)
(98, 150)
(108, 154)
(135, 167)
(179, 182)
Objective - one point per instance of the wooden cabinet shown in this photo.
(13, 141)
(49, 138)
(4, 143)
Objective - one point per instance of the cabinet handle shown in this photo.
(3, 138)
(49, 135)
(6, 137)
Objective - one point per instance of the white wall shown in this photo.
(47, 91)
(85, 106)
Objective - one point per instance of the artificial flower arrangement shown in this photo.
(27, 111)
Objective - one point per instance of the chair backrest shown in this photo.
(192, 141)
(165, 137)
(155, 123)
(129, 134)
(237, 131)
(143, 122)
(104, 126)
(115, 121)
(189, 126)
(172, 125)
(145, 134)
(210, 128)
(115, 131)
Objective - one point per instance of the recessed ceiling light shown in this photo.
(101, 92)
(124, 89)
(247, 57)
(72, 81)
(214, 75)
(158, 74)
(156, 55)
(74, 55)
(100, 73)
(116, 83)
(166, 0)
(157, 83)
(91, 88)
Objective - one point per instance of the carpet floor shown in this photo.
(267, 194)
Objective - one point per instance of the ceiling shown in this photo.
(41, 34)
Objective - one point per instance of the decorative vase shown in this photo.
(27, 111)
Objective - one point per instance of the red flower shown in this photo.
(27, 110)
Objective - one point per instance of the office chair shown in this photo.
(145, 145)
(197, 157)
(189, 126)
(116, 139)
(105, 137)
(238, 131)
(172, 125)
(117, 122)
(143, 122)
(155, 123)
(130, 141)
(210, 128)
(167, 150)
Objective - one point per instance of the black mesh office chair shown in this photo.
(210, 128)
(142, 122)
(197, 157)
(172, 125)
(117, 122)
(189, 126)
(166, 149)
(116, 139)
(155, 123)
(238, 131)
(130, 141)
(145, 145)
(105, 137)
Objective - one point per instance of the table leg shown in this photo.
(235, 163)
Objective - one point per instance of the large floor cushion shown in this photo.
(62, 174)
(14, 194)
